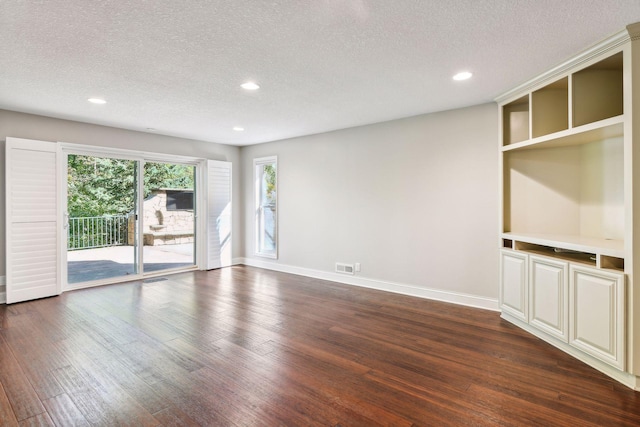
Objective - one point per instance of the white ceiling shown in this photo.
(176, 66)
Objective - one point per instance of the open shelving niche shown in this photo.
(563, 168)
(565, 151)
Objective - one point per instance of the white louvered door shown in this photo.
(219, 213)
(32, 219)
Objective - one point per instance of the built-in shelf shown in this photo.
(568, 174)
(584, 258)
(515, 121)
(595, 95)
(591, 245)
(604, 129)
(598, 91)
(550, 108)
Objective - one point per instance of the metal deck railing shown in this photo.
(97, 232)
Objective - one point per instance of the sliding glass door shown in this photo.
(168, 216)
(101, 218)
(111, 233)
(78, 215)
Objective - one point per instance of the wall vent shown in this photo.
(344, 268)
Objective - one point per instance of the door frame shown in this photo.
(200, 225)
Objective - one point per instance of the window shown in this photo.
(266, 205)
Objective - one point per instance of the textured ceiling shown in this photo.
(176, 66)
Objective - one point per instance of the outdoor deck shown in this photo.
(102, 263)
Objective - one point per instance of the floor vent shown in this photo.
(344, 268)
(157, 279)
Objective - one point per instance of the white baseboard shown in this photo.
(398, 288)
(625, 378)
(3, 289)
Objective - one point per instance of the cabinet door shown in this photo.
(549, 295)
(513, 284)
(596, 310)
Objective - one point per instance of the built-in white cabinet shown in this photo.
(569, 188)
(597, 314)
(549, 295)
(567, 301)
(514, 297)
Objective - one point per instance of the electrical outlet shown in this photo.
(357, 267)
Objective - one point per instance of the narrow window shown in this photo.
(266, 190)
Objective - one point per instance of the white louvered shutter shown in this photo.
(219, 213)
(32, 220)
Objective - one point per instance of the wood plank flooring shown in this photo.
(249, 347)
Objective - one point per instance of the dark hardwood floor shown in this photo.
(249, 347)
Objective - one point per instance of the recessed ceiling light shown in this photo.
(462, 76)
(97, 101)
(238, 128)
(250, 86)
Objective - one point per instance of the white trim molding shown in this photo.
(258, 172)
(3, 289)
(611, 43)
(124, 153)
(606, 368)
(398, 288)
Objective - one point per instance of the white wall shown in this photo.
(29, 126)
(415, 201)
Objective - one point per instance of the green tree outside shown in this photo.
(270, 180)
(98, 186)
